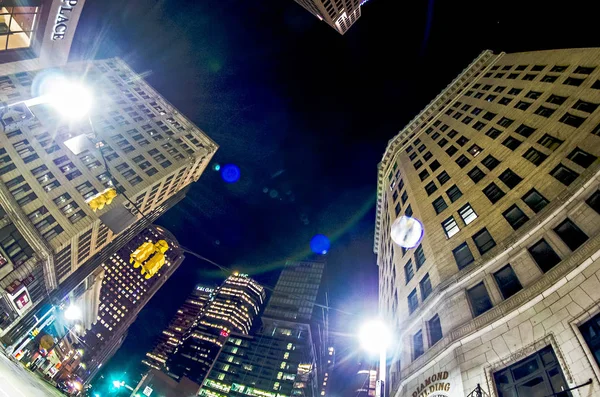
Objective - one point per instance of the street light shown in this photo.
(73, 313)
(375, 338)
(71, 99)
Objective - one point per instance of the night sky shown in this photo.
(306, 114)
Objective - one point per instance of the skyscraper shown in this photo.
(339, 14)
(185, 318)
(232, 308)
(125, 291)
(49, 169)
(501, 169)
(288, 356)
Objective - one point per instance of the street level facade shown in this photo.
(503, 291)
(50, 237)
(339, 14)
(289, 355)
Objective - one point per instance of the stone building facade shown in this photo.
(501, 169)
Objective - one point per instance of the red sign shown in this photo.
(12, 287)
(224, 333)
(22, 300)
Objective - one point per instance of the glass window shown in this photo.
(591, 334)
(535, 156)
(594, 201)
(425, 285)
(572, 235)
(525, 130)
(484, 241)
(423, 175)
(462, 161)
(573, 121)
(435, 330)
(419, 256)
(490, 162)
(476, 174)
(454, 193)
(535, 200)
(511, 143)
(544, 111)
(467, 213)
(507, 281)
(479, 299)
(443, 177)
(510, 178)
(439, 205)
(493, 192)
(430, 188)
(434, 165)
(564, 174)
(544, 255)
(556, 99)
(17, 27)
(450, 227)
(413, 301)
(409, 272)
(451, 151)
(505, 122)
(584, 106)
(582, 158)
(522, 105)
(462, 255)
(515, 217)
(418, 345)
(474, 150)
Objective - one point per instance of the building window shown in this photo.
(570, 234)
(430, 188)
(544, 255)
(443, 177)
(493, 192)
(510, 178)
(507, 281)
(573, 81)
(462, 255)
(404, 197)
(525, 130)
(594, 201)
(556, 99)
(490, 162)
(454, 193)
(484, 241)
(409, 272)
(442, 142)
(476, 111)
(18, 26)
(462, 141)
(534, 200)
(435, 330)
(535, 156)
(418, 345)
(412, 157)
(515, 217)
(573, 121)
(409, 211)
(476, 174)
(522, 105)
(462, 161)
(537, 375)
(564, 174)
(439, 205)
(467, 213)
(558, 69)
(474, 150)
(413, 301)
(419, 256)
(533, 94)
(397, 209)
(582, 158)
(427, 156)
(418, 164)
(434, 165)
(550, 142)
(450, 227)
(478, 126)
(422, 148)
(511, 143)
(493, 133)
(544, 111)
(505, 122)
(514, 91)
(423, 175)
(479, 299)
(591, 334)
(451, 151)
(425, 285)
(504, 101)
(584, 69)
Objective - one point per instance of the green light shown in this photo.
(116, 384)
(216, 167)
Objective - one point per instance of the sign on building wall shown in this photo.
(439, 384)
(63, 16)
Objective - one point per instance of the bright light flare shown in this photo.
(374, 336)
(407, 232)
(73, 313)
(71, 99)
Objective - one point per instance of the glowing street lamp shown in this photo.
(73, 313)
(375, 338)
(71, 99)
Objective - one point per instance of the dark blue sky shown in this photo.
(306, 114)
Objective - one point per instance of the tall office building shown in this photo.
(501, 168)
(232, 308)
(185, 318)
(125, 291)
(50, 168)
(339, 14)
(288, 356)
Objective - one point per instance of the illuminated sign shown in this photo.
(63, 15)
(147, 391)
(20, 298)
(224, 333)
(205, 289)
(434, 386)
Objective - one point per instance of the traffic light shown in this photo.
(150, 256)
(102, 199)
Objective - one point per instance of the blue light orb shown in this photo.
(217, 167)
(320, 244)
(230, 173)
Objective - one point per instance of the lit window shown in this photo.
(467, 213)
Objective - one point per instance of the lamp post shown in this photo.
(375, 338)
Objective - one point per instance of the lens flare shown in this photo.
(407, 232)
(320, 244)
(230, 173)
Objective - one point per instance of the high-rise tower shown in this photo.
(339, 14)
(501, 168)
(232, 308)
(50, 239)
